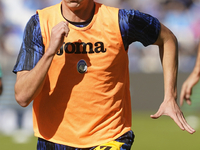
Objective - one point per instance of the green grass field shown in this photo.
(7, 143)
(163, 134)
(160, 134)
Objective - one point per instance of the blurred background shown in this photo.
(180, 16)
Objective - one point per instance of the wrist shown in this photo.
(171, 95)
(49, 53)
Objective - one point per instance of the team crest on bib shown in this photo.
(82, 66)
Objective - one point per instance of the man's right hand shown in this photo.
(58, 33)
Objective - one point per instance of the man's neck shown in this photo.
(79, 14)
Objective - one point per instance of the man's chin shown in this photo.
(73, 5)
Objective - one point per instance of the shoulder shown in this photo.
(32, 27)
(126, 12)
(108, 10)
(32, 30)
(136, 17)
(33, 21)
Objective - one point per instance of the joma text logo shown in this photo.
(82, 48)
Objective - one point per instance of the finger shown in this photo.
(188, 101)
(181, 122)
(156, 115)
(182, 95)
(188, 95)
(185, 95)
(178, 122)
(66, 28)
(187, 127)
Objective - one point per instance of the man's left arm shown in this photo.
(168, 48)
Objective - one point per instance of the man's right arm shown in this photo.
(30, 82)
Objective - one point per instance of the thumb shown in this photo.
(67, 29)
(155, 116)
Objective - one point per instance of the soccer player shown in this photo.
(190, 82)
(73, 65)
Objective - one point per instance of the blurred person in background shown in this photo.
(73, 65)
(190, 82)
(1, 84)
